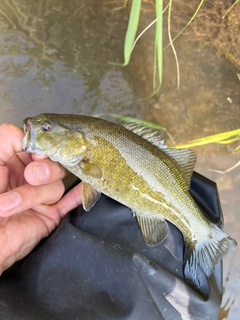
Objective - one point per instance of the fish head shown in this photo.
(41, 136)
(48, 135)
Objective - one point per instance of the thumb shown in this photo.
(10, 141)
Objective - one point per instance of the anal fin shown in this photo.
(89, 196)
(154, 229)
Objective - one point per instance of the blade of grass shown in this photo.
(193, 17)
(216, 138)
(227, 141)
(156, 50)
(171, 43)
(131, 31)
(236, 150)
(158, 44)
(144, 30)
(136, 120)
(228, 170)
(155, 65)
(132, 119)
(119, 8)
(230, 8)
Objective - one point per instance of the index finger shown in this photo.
(10, 141)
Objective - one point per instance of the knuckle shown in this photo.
(5, 127)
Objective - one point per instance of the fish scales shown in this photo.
(126, 164)
(129, 152)
(150, 179)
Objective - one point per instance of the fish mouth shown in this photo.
(31, 137)
(28, 141)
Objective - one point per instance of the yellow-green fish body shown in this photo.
(132, 165)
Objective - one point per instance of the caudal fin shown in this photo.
(201, 258)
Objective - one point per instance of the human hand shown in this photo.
(31, 203)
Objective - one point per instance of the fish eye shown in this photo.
(46, 126)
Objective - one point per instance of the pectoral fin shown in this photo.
(154, 229)
(91, 169)
(89, 196)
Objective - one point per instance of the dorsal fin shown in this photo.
(152, 135)
(185, 158)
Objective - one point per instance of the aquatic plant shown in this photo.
(131, 39)
(229, 9)
(220, 138)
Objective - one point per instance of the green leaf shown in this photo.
(131, 119)
(190, 21)
(158, 43)
(230, 8)
(124, 6)
(131, 30)
(222, 138)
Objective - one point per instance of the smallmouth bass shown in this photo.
(132, 165)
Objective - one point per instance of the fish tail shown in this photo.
(202, 256)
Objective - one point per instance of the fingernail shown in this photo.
(9, 201)
(41, 172)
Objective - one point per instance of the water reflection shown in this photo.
(54, 57)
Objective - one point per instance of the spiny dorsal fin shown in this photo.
(186, 160)
(154, 229)
(149, 134)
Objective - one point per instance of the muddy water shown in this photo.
(54, 57)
